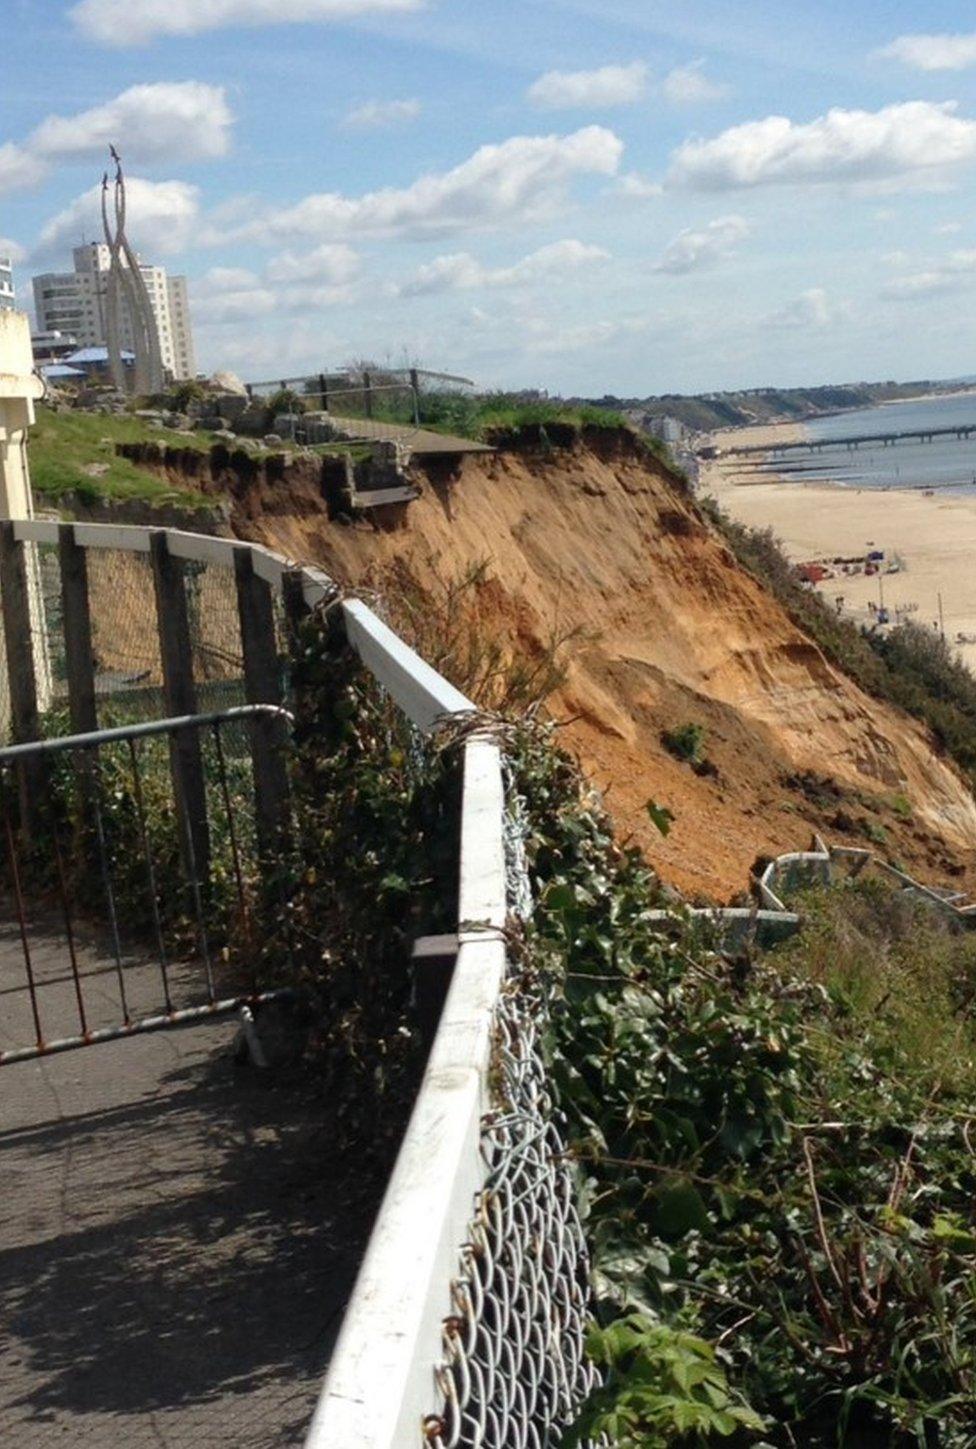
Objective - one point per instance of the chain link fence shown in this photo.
(514, 1370)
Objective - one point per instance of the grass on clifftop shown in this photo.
(68, 451)
(500, 419)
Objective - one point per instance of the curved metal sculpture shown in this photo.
(126, 285)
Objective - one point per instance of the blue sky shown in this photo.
(587, 196)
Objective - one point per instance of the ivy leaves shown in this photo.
(659, 1383)
(779, 1213)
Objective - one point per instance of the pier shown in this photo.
(817, 445)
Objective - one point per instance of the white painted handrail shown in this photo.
(380, 1382)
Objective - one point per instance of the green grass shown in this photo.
(503, 417)
(63, 445)
(900, 978)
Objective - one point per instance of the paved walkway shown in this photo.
(422, 442)
(176, 1245)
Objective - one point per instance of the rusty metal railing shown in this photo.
(165, 974)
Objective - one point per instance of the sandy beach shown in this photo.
(934, 538)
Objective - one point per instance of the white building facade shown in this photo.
(6, 284)
(74, 302)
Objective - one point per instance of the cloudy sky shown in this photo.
(583, 195)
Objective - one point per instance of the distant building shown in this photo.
(60, 372)
(663, 426)
(90, 362)
(49, 347)
(74, 302)
(6, 284)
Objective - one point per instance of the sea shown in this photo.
(945, 462)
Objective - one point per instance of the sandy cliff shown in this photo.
(671, 630)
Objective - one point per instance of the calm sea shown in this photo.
(945, 462)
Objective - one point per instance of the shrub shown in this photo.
(772, 1154)
(286, 400)
(185, 393)
(685, 742)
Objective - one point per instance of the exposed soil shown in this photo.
(597, 538)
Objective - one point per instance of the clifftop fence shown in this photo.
(467, 1322)
(385, 394)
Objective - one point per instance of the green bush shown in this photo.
(685, 742)
(659, 1385)
(286, 400)
(772, 1158)
(184, 393)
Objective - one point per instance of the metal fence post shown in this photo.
(262, 683)
(296, 609)
(18, 636)
(324, 391)
(76, 622)
(368, 394)
(415, 389)
(186, 761)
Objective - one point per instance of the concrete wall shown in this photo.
(19, 389)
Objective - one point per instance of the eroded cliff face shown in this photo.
(597, 541)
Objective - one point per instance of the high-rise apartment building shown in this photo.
(74, 302)
(6, 283)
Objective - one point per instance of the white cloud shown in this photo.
(171, 121)
(333, 264)
(694, 249)
(959, 268)
(933, 52)
(12, 250)
(229, 279)
(312, 297)
(167, 121)
(162, 217)
(461, 271)
(18, 168)
(180, 120)
(637, 186)
(912, 139)
(136, 22)
(810, 309)
(917, 284)
(524, 178)
(688, 85)
(217, 305)
(375, 115)
(543, 337)
(947, 228)
(611, 85)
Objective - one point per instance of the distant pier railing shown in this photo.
(817, 445)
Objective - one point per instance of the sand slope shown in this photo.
(672, 631)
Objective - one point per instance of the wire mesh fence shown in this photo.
(125, 636)
(405, 398)
(514, 1370)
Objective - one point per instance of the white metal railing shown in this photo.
(381, 1381)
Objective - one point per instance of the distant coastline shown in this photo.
(758, 407)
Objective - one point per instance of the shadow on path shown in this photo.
(177, 1248)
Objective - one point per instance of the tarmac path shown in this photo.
(176, 1246)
